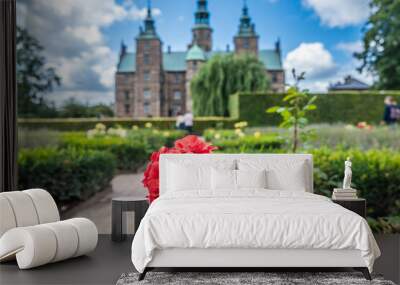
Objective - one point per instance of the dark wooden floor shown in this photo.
(110, 260)
(103, 266)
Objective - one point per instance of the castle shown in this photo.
(153, 82)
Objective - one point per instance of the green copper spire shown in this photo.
(149, 26)
(246, 28)
(202, 16)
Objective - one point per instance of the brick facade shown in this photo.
(175, 93)
(149, 76)
(203, 38)
(277, 79)
(246, 45)
(124, 94)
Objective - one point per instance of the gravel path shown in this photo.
(98, 207)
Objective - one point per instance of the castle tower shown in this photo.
(148, 89)
(194, 59)
(202, 32)
(246, 40)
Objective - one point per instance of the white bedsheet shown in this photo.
(250, 219)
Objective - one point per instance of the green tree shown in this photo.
(222, 76)
(381, 44)
(101, 110)
(34, 77)
(74, 109)
(294, 113)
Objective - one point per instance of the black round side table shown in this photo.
(120, 205)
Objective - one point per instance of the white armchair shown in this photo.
(31, 230)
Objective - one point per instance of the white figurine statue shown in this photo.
(347, 174)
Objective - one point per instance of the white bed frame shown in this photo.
(251, 258)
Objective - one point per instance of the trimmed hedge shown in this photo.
(67, 174)
(250, 144)
(154, 138)
(332, 107)
(130, 155)
(228, 141)
(376, 174)
(84, 124)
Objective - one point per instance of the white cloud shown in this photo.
(140, 14)
(89, 34)
(311, 58)
(320, 67)
(71, 31)
(340, 13)
(350, 47)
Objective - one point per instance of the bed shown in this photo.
(245, 211)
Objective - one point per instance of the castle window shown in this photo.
(146, 108)
(177, 78)
(274, 77)
(127, 108)
(146, 94)
(147, 45)
(177, 95)
(146, 59)
(246, 43)
(146, 76)
(195, 65)
(126, 94)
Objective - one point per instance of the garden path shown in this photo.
(98, 207)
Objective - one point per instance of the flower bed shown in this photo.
(130, 147)
(240, 141)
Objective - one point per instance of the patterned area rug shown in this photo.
(269, 278)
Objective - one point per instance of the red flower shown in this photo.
(193, 144)
(188, 144)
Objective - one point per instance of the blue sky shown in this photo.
(82, 38)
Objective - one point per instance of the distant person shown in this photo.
(390, 113)
(188, 118)
(180, 121)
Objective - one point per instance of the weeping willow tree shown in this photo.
(222, 76)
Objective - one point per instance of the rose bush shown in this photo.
(188, 144)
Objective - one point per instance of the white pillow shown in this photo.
(187, 174)
(227, 179)
(223, 179)
(287, 174)
(251, 178)
(183, 177)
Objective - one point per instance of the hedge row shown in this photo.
(67, 174)
(332, 108)
(84, 124)
(129, 155)
(229, 141)
(131, 152)
(250, 145)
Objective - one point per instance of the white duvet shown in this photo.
(250, 219)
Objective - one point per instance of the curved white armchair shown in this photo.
(31, 230)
